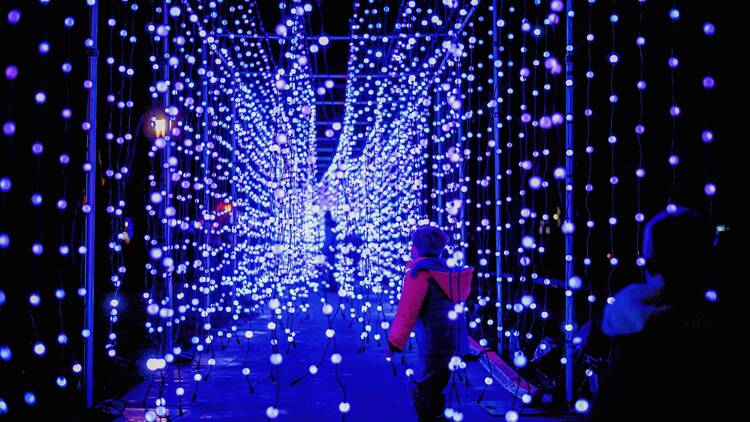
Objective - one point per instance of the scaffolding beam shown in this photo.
(90, 203)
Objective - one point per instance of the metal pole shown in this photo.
(569, 204)
(440, 205)
(233, 189)
(461, 193)
(206, 198)
(88, 357)
(316, 38)
(167, 176)
(496, 182)
(333, 76)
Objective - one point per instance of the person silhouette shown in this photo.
(664, 337)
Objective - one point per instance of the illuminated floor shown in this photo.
(372, 390)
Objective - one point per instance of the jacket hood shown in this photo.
(455, 282)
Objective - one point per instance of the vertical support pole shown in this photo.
(167, 176)
(206, 168)
(88, 357)
(497, 175)
(461, 193)
(569, 204)
(440, 199)
(233, 188)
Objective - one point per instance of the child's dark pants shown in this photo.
(428, 397)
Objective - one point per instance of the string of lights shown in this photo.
(707, 136)
(612, 139)
(40, 320)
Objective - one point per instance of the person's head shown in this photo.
(428, 241)
(676, 247)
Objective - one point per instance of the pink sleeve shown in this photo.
(415, 289)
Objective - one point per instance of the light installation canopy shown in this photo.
(254, 241)
(267, 109)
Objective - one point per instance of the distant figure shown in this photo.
(329, 249)
(329, 238)
(353, 243)
(430, 291)
(665, 360)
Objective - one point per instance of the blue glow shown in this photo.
(29, 398)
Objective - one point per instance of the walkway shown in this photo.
(372, 390)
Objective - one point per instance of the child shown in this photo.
(430, 291)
